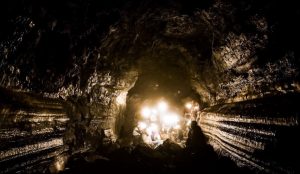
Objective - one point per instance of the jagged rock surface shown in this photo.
(89, 54)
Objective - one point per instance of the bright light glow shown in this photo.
(188, 105)
(158, 122)
(170, 119)
(121, 99)
(142, 125)
(146, 112)
(152, 129)
(177, 126)
(153, 118)
(154, 112)
(162, 106)
(196, 108)
(59, 164)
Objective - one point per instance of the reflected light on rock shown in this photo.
(59, 163)
(121, 99)
(189, 122)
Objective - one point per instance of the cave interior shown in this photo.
(146, 86)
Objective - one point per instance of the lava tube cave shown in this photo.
(146, 86)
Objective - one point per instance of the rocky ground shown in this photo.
(167, 158)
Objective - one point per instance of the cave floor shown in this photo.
(142, 159)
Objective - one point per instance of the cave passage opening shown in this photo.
(161, 104)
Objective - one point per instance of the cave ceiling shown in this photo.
(223, 50)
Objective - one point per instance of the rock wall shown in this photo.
(31, 131)
(46, 51)
(259, 133)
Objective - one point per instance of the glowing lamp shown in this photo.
(146, 112)
(162, 106)
(188, 105)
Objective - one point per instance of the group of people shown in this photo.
(148, 137)
(194, 138)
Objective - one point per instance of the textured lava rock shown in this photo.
(92, 54)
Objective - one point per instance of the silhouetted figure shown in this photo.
(196, 142)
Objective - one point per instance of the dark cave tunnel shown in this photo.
(149, 86)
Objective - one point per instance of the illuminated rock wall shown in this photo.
(258, 133)
(31, 131)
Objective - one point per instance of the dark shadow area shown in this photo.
(166, 158)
